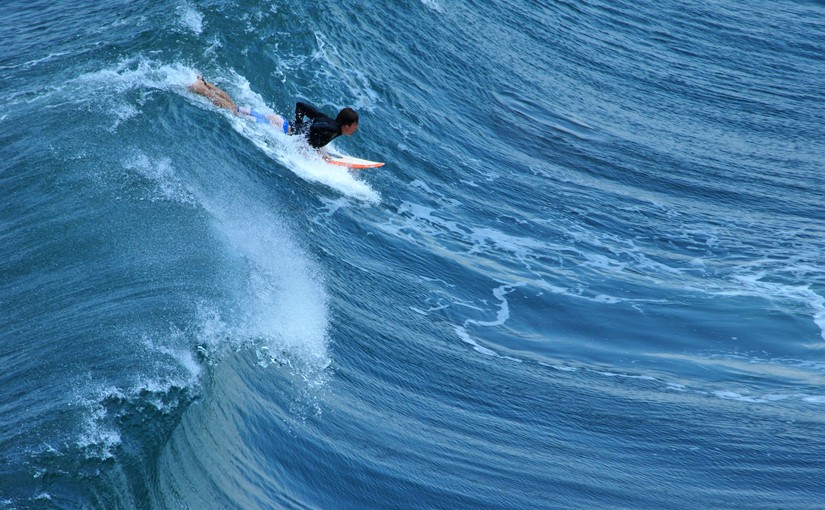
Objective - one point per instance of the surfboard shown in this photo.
(348, 161)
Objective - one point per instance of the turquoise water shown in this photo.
(590, 274)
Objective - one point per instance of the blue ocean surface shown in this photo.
(591, 274)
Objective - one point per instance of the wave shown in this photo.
(188, 266)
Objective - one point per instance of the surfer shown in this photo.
(319, 131)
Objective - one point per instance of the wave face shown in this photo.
(589, 276)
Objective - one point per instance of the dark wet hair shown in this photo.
(346, 117)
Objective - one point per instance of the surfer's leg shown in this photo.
(279, 122)
(214, 94)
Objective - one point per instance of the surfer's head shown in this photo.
(348, 120)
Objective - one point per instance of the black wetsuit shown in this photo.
(320, 130)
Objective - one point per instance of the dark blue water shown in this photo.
(590, 275)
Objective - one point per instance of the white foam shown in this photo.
(423, 218)
(465, 337)
(625, 376)
(502, 315)
(175, 348)
(167, 185)
(100, 436)
(33, 63)
(758, 284)
(732, 395)
(429, 310)
(332, 206)
(774, 397)
(284, 299)
(123, 113)
(134, 73)
(191, 19)
(817, 304)
(603, 262)
(310, 167)
(504, 308)
(560, 368)
(434, 5)
(99, 439)
(521, 247)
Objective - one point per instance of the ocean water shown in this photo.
(591, 274)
